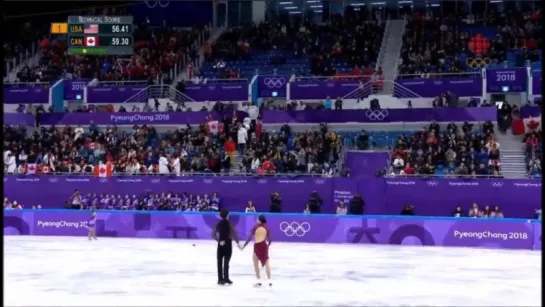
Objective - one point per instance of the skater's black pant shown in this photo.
(224, 257)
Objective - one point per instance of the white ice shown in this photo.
(70, 271)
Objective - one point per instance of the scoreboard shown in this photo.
(97, 35)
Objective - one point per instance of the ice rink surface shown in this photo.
(71, 271)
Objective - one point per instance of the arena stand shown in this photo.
(454, 42)
(297, 49)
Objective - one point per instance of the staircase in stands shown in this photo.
(390, 50)
(512, 156)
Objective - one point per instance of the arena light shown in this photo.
(316, 6)
(291, 8)
(285, 3)
(318, 12)
(295, 12)
(496, 1)
(313, 1)
(435, 5)
(357, 4)
(378, 3)
(405, 2)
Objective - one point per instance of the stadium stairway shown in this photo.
(390, 51)
(214, 36)
(512, 157)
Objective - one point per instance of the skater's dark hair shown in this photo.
(262, 219)
(224, 213)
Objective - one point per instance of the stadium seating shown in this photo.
(307, 49)
(471, 42)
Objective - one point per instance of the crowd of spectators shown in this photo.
(232, 146)
(533, 146)
(476, 212)
(452, 151)
(443, 44)
(337, 46)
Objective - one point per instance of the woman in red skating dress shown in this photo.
(261, 248)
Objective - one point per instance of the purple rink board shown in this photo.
(134, 118)
(365, 164)
(116, 94)
(311, 90)
(236, 91)
(20, 119)
(536, 82)
(506, 234)
(514, 80)
(26, 94)
(427, 88)
(378, 116)
(431, 197)
(73, 88)
(272, 86)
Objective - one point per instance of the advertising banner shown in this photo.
(218, 92)
(516, 198)
(512, 234)
(536, 82)
(26, 94)
(116, 94)
(134, 118)
(365, 164)
(272, 86)
(73, 89)
(377, 116)
(318, 90)
(428, 88)
(509, 80)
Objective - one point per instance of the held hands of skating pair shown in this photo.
(240, 246)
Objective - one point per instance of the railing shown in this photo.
(26, 84)
(122, 82)
(21, 58)
(188, 174)
(332, 78)
(442, 75)
(218, 81)
(451, 176)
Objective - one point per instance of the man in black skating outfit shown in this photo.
(224, 233)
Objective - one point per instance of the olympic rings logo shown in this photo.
(294, 228)
(497, 184)
(478, 62)
(319, 181)
(156, 180)
(103, 180)
(154, 4)
(208, 181)
(433, 183)
(53, 179)
(262, 181)
(274, 82)
(376, 114)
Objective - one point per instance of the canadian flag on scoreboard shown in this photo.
(103, 170)
(91, 41)
(30, 168)
(525, 125)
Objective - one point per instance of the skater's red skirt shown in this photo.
(261, 250)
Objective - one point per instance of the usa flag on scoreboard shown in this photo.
(90, 29)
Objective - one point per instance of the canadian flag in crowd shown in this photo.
(103, 170)
(212, 127)
(46, 169)
(30, 168)
(525, 125)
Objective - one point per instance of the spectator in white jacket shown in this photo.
(242, 139)
(10, 164)
(163, 165)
